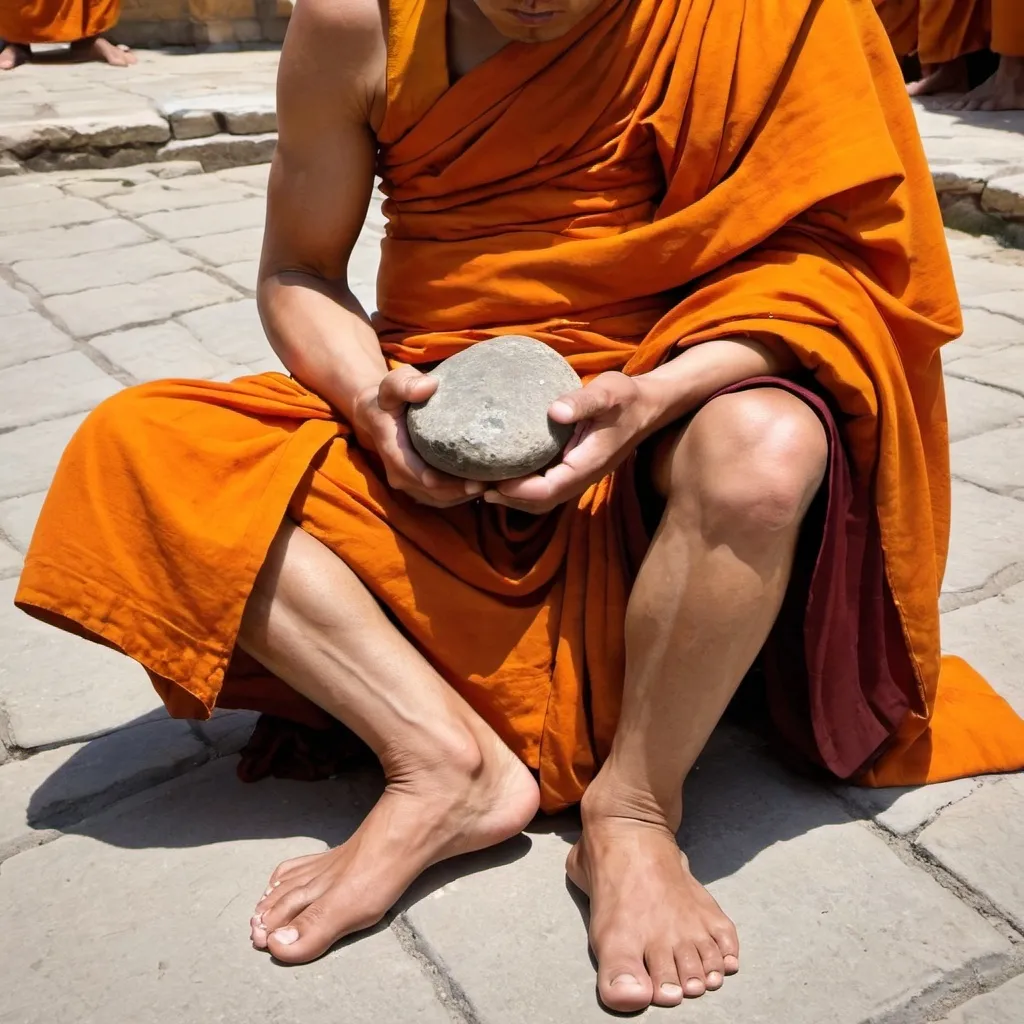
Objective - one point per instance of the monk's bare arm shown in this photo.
(320, 185)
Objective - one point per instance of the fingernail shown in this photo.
(475, 487)
(285, 935)
(625, 979)
(672, 991)
(491, 496)
(563, 409)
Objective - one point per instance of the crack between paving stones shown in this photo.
(1008, 493)
(448, 992)
(994, 585)
(950, 371)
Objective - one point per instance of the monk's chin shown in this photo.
(522, 32)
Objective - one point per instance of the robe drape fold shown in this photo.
(56, 21)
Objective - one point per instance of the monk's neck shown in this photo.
(471, 38)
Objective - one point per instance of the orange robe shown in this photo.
(670, 171)
(56, 21)
(942, 30)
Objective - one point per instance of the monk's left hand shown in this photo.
(613, 415)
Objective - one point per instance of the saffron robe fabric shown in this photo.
(669, 172)
(942, 30)
(56, 21)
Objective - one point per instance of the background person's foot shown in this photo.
(950, 76)
(11, 55)
(1003, 91)
(103, 51)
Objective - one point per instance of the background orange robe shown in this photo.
(56, 21)
(942, 30)
(669, 172)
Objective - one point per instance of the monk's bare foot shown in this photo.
(935, 78)
(1003, 91)
(103, 51)
(12, 55)
(657, 933)
(457, 804)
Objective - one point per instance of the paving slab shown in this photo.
(991, 867)
(12, 301)
(18, 518)
(160, 196)
(232, 331)
(994, 460)
(227, 247)
(58, 243)
(989, 635)
(128, 265)
(977, 408)
(516, 943)
(24, 194)
(1004, 1005)
(980, 277)
(159, 351)
(62, 212)
(223, 150)
(27, 335)
(987, 532)
(1003, 369)
(66, 784)
(29, 456)
(163, 886)
(10, 565)
(243, 274)
(903, 809)
(52, 387)
(1009, 303)
(191, 223)
(100, 310)
(59, 688)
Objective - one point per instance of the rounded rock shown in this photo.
(488, 419)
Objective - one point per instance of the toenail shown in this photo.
(695, 986)
(276, 884)
(257, 922)
(286, 935)
(625, 979)
(714, 978)
(672, 991)
(268, 892)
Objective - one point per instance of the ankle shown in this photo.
(451, 751)
(611, 798)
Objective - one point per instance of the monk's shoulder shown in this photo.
(346, 42)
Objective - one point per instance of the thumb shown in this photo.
(582, 404)
(404, 385)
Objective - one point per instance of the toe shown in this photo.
(308, 935)
(723, 931)
(691, 970)
(713, 963)
(622, 980)
(661, 965)
(287, 904)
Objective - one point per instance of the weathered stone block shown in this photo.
(232, 247)
(983, 332)
(57, 243)
(193, 124)
(190, 859)
(980, 841)
(12, 301)
(1005, 196)
(99, 130)
(160, 351)
(902, 809)
(50, 387)
(488, 418)
(100, 310)
(976, 409)
(25, 336)
(1001, 1006)
(179, 194)
(28, 193)
(220, 151)
(190, 223)
(1002, 369)
(232, 331)
(994, 460)
(29, 456)
(221, 10)
(122, 266)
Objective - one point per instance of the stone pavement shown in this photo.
(132, 856)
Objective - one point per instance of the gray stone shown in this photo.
(980, 841)
(966, 178)
(57, 243)
(63, 212)
(1005, 196)
(122, 266)
(178, 194)
(232, 331)
(989, 635)
(100, 310)
(506, 927)
(29, 456)
(18, 517)
(193, 124)
(25, 336)
(12, 301)
(162, 350)
(1004, 1005)
(903, 809)
(994, 460)
(488, 419)
(220, 151)
(10, 565)
(230, 247)
(1003, 369)
(975, 409)
(59, 688)
(54, 386)
(247, 213)
(986, 537)
(65, 784)
(9, 167)
(154, 924)
(76, 131)
(27, 193)
(240, 114)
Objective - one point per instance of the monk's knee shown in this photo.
(750, 461)
(116, 419)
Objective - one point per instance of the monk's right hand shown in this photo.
(379, 424)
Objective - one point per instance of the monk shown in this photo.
(704, 206)
(82, 23)
(942, 33)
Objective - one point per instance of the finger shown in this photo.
(404, 385)
(602, 394)
(554, 486)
